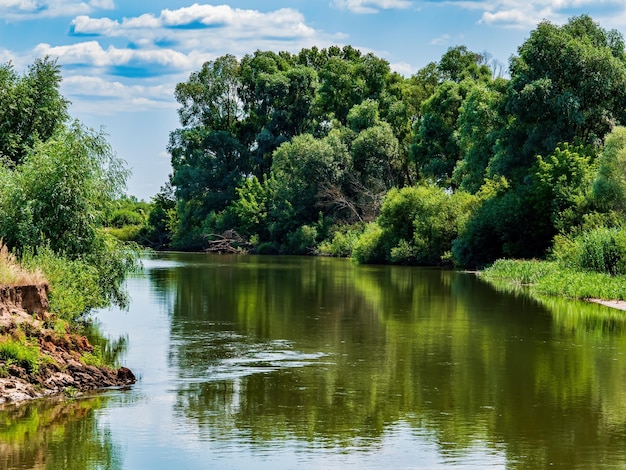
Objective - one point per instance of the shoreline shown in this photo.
(616, 304)
(61, 366)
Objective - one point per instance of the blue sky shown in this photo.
(122, 59)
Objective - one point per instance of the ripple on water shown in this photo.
(243, 358)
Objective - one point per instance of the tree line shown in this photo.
(330, 151)
(58, 181)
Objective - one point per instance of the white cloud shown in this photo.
(200, 21)
(29, 9)
(441, 40)
(115, 96)
(526, 14)
(170, 45)
(403, 68)
(92, 53)
(371, 6)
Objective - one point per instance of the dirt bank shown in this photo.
(61, 367)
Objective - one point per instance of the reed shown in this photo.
(13, 274)
(552, 278)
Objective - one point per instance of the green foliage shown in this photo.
(375, 156)
(552, 279)
(416, 225)
(302, 241)
(22, 353)
(370, 246)
(562, 186)
(124, 217)
(252, 205)
(497, 228)
(478, 127)
(363, 115)
(609, 188)
(31, 107)
(520, 221)
(602, 250)
(93, 358)
(74, 284)
(342, 243)
(128, 233)
(59, 195)
(161, 221)
(568, 84)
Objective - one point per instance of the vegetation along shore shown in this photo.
(462, 164)
(58, 179)
(329, 152)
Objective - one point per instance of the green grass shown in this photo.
(23, 354)
(93, 358)
(551, 278)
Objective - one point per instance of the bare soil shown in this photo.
(24, 316)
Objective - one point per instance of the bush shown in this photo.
(79, 285)
(342, 242)
(23, 354)
(370, 246)
(123, 217)
(601, 250)
(417, 226)
(128, 233)
(301, 242)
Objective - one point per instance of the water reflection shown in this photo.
(57, 435)
(265, 362)
(377, 346)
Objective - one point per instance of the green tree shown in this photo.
(158, 231)
(609, 187)
(301, 168)
(210, 97)
(479, 124)
(31, 107)
(52, 208)
(59, 195)
(568, 84)
(376, 157)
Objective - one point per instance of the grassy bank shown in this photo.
(551, 278)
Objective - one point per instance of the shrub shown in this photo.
(302, 241)
(23, 354)
(123, 217)
(601, 249)
(342, 242)
(417, 226)
(370, 247)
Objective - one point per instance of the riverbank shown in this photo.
(39, 359)
(548, 278)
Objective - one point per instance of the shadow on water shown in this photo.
(53, 434)
(336, 365)
(378, 346)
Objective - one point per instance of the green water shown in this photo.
(286, 362)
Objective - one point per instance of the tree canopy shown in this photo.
(292, 150)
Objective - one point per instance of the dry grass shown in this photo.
(12, 274)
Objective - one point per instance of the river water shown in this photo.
(249, 362)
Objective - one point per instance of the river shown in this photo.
(249, 362)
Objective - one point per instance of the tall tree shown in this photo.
(568, 84)
(31, 107)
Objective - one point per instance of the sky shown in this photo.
(121, 59)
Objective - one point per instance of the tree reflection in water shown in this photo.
(458, 360)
